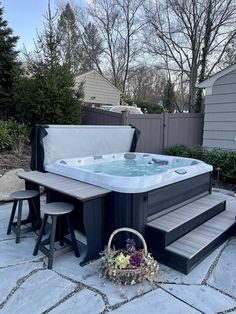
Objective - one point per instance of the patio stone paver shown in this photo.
(13, 254)
(10, 275)
(223, 276)
(206, 299)
(196, 276)
(83, 302)
(5, 211)
(38, 293)
(68, 265)
(233, 241)
(46, 290)
(157, 301)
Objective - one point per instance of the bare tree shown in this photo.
(146, 84)
(191, 36)
(118, 22)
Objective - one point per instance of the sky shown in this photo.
(25, 17)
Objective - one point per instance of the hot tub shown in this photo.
(143, 186)
(129, 172)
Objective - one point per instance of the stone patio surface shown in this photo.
(27, 286)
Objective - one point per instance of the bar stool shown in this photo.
(19, 197)
(56, 210)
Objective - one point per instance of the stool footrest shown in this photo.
(23, 230)
(57, 252)
(23, 222)
(47, 241)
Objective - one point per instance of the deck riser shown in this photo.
(184, 264)
(160, 239)
(195, 222)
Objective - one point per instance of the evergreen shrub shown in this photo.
(223, 161)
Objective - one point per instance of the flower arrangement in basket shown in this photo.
(129, 265)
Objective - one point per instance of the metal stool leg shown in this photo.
(12, 217)
(73, 239)
(52, 241)
(36, 248)
(19, 215)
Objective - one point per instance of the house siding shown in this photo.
(220, 114)
(99, 91)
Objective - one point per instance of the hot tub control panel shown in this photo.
(181, 171)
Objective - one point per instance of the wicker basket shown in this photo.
(127, 275)
(127, 230)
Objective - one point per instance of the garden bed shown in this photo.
(12, 160)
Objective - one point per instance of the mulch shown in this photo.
(12, 160)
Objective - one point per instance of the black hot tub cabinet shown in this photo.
(136, 210)
(159, 214)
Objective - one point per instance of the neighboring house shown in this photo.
(220, 109)
(98, 90)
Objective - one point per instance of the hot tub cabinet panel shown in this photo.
(176, 193)
(135, 210)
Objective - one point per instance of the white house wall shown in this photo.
(220, 114)
(98, 91)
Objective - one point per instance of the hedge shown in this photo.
(223, 161)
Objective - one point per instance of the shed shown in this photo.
(220, 109)
(98, 90)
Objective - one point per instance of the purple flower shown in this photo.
(130, 245)
(136, 259)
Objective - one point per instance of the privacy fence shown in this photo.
(158, 131)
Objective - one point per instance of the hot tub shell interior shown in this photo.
(151, 171)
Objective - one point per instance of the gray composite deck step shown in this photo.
(189, 250)
(173, 225)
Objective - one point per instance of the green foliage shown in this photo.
(5, 139)
(80, 48)
(49, 95)
(92, 48)
(69, 39)
(222, 160)
(49, 98)
(146, 107)
(8, 63)
(13, 135)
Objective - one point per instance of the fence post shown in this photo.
(124, 118)
(165, 129)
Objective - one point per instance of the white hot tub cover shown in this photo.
(53, 142)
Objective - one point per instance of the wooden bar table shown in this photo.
(91, 197)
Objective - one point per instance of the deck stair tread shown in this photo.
(186, 213)
(199, 238)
